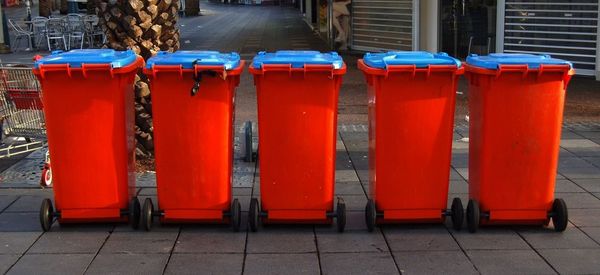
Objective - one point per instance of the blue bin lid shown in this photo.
(298, 59)
(418, 58)
(533, 61)
(75, 58)
(187, 59)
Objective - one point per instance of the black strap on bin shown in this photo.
(198, 78)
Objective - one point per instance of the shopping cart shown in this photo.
(21, 115)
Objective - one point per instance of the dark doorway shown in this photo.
(468, 26)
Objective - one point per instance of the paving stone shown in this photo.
(590, 185)
(460, 160)
(17, 242)
(140, 242)
(205, 264)
(573, 162)
(210, 240)
(458, 187)
(577, 143)
(277, 239)
(584, 217)
(349, 188)
(354, 241)
(509, 262)
(586, 152)
(146, 192)
(490, 238)
(542, 238)
(567, 134)
(5, 201)
(358, 263)
(454, 175)
(242, 191)
(581, 172)
(288, 264)
(593, 232)
(593, 160)
(20, 222)
(419, 238)
(573, 261)
(345, 176)
(69, 242)
(355, 202)
(26, 191)
(363, 175)
(434, 262)
(26, 204)
(128, 264)
(6, 261)
(567, 186)
(52, 264)
(580, 200)
(589, 134)
(463, 172)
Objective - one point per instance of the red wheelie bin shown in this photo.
(297, 94)
(411, 121)
(516, 106)
(88, 104)
(193, 113)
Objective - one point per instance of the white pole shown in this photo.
(500, 13)
(3, 47)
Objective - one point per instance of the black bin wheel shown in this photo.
(46, 215)
(134, 213)
(148, 214)
(473, 216)
(249, 156)
(458, 214)
(236, 215)
(341, 215)
(253, 211)
(370, 215)
(560, 215)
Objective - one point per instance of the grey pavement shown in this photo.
(306, 249)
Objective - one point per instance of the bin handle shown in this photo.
(210, 70)
(524, 68)
(54, 68)
(276, 68)
(167, 68)
(97, 67)
(319, 68)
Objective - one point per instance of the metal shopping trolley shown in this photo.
(21, 115)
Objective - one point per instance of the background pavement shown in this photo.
(412, 249)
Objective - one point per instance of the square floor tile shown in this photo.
(358, 263)
(128, 264)
(210, 240)
(354, 241)
(277, 239)
(419, 238)
(434, 262)
(205, 264)
(52, 264)
(289, 264)
(573, 261)
(490, 238)
(140, 242)
(69, 242)
(509, 262)
(17, 242)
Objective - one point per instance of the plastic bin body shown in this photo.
(411, 120)
(89, 111)
(297, 125)
(193, 134)
(515, 124)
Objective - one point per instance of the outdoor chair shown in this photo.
(20, 33)
(93, 30)
(55, 32)
(39, 29)
(76, 29)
